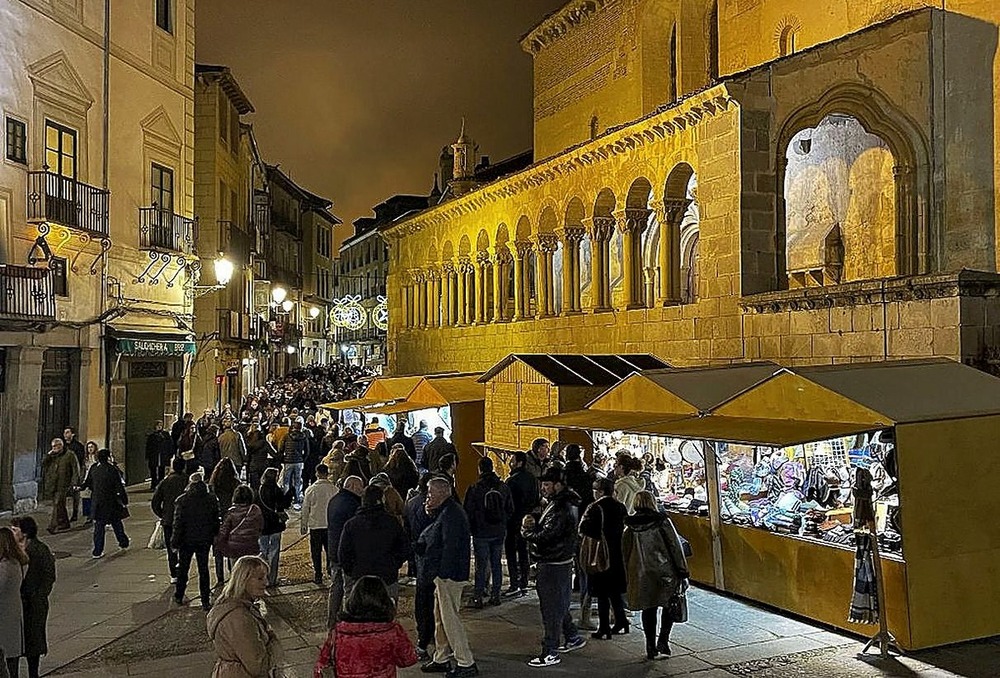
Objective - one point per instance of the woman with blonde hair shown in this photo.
(627, 481)
(402, 472)
(244, 642)
(656, 570)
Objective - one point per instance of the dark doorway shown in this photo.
(144, 402)
(54, 407)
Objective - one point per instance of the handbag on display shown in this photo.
(677, 608)
(594, 554)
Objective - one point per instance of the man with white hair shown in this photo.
(341, 508)
(444, 546)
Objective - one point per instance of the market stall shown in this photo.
(454, 402)
(525, 386)
(784, 454)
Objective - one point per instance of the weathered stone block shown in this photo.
(947, 342)
(945, 312)
(809, 322)
(914, 314)
(861, 318)
(911, 343)
(840, 319)
(796, 346)
(827, 345)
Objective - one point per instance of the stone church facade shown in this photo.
(718, 182)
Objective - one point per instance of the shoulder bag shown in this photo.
(677, 607)
(594, 554)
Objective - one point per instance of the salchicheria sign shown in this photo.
(154, 347)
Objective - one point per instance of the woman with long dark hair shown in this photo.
(605, 518)
(13, 560)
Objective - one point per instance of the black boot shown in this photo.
(663, 641)
(650, 650)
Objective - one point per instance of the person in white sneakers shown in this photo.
(313, 519)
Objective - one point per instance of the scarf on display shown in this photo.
(864, 602)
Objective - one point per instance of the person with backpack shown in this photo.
(489, 505)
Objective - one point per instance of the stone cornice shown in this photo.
(935, 286)
(624, 140)
(560, 22)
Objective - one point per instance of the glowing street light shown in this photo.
(223, 270)
(287, 305)
(313, 312)
(290, 349)
(278, 293)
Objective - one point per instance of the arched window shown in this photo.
(787, 41)
(689, 270)
(840, 205)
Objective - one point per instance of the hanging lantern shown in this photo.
(348, 313)
(380, 314)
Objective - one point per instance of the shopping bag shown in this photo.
(678, 608)
(156, 540)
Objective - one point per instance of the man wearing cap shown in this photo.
(552, 541)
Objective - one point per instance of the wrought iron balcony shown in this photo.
(235, 243)
(163, 230)
(26, 293)
(68, 202)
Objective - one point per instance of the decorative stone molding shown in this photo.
(601, 228)
(503, 256)
(465, 265)
(483, 258)
(547, 242)
(633, 219)
(674, 210)
(572, 235)
(909, 288)
(560, 23)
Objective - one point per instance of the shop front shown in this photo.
(776, 462)
(146, 377)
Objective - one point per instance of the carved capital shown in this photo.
(572, 235)
(633, 219)
(432, 273)
(522, 249)
(674, 210)
(547, 242)
(601, 228)
(502, 256)
(465, 265)
(483, 259)
(448, 268)
(417, 275)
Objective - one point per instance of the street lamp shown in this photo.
(287, 305)
(313, 312)
(278, 293)
(223, 274)
(290, 349)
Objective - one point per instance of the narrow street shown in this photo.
(114, 617)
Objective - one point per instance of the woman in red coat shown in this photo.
(367, 642)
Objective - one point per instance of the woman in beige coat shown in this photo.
(244, 642)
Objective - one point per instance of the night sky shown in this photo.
(355, 98)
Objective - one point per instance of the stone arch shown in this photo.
(878, 117)
(681, 219)
(604, 207)
(604, 203)
(464, 246)
(522, 231)
(573, 219)
(447, 251)
(639, 193)
(432, 252)
(547, 220)
(483, 241)
(690, 266)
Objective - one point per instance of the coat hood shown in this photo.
(644, 519)
(220, 611)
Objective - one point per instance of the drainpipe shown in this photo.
(106, 127)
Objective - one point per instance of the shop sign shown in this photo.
(155, 347)
(232, 372)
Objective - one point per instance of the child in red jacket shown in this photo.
(367, 642)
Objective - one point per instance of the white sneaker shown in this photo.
(98, 556)
(173, 580)
(545, 660)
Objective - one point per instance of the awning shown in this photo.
(464, 388)
(598, 420)
(770, 432)
(399, 408)
(499, 447)
(382, 390)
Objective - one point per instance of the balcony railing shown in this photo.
(26, 293)
(236, 243)
(68, 202)
(162, 229)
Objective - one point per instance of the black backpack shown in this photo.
(493, 504)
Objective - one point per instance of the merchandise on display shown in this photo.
(805, 490)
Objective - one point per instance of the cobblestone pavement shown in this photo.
(113, 617)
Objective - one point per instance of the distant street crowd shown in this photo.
(375, 507)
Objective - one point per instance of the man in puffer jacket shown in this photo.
(373, 543)
(196, 522)
(553, 544)
(293, 453)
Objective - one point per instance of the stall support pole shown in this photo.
(883, 640)
(714, 512)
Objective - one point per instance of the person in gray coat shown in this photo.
(13, 561)
(656, 569)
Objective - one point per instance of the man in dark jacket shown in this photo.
(293, 454)
(524, 495)
(159, 449)
(399, 437)
(196, 522)
(373, 543)
(108, 500)
(553, 544)
(206, 449)
(415, 521)
(444, 546)
(436, 449)
(342, 507)
(489, 506)
(260, 455)
(178, 428)
(162, 503)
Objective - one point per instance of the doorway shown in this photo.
(55, 403)
(144, 404)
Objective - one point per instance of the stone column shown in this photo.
(421, 278)
(547, 244)
(20, 430)
(632, 222)
(600, 229)
(479, 273)
(911, 259)
(501, 266)
(570, 238)
(463, 290)
(519, 289)
(434, 297)
(669, 218)
(448, 294)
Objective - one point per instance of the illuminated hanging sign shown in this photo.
(155, 347)
(348, 313)
(380, 314)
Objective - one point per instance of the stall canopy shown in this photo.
(432, 392)
(655, 397)
(578, 370)
(381, 390)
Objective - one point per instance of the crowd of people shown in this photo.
(224, 486)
